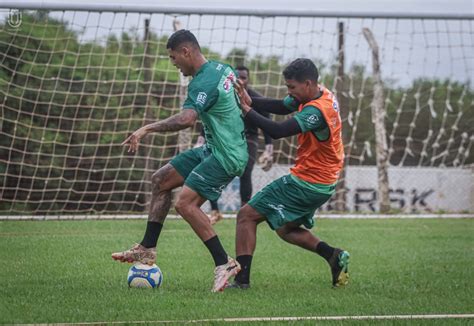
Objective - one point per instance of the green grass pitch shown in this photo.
(61, 272)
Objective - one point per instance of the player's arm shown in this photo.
(276, 130)
(185, 119)
(256, 95)
(266, 158)
(264, 105)
(201, 138)
(309, 119)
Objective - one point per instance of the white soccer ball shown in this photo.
(144, 276)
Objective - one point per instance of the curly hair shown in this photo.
(301, 69)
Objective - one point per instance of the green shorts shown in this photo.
(284, 200)
(202, 172)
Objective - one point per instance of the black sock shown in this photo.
(214, 205)
(324, 250)
(245, 261)
(217, 251)
(152, 233)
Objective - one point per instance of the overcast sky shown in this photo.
(409, 48)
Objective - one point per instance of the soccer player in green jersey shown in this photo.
(203, 172)
(290, 202)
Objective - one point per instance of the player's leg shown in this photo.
(205, 182)
(167, 178)
(296, 235)
(337, 259)
(188, 205)
(287, 203)
(163, 182)
(245, 242)
(300, 202)
(246, 178)
(266, 202)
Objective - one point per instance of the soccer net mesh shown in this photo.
(75, 84)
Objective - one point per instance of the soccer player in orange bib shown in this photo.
(291, 201)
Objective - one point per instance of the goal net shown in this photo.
(75, 84)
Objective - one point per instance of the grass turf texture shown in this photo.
(61, 271)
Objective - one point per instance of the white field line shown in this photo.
(270, 319)
(231, 215)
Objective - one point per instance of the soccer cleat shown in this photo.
(137, 253)
(339, 267)
(237, 285)
(222, 273)
(215, 217)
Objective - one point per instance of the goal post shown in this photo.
(378, 119)
(76, 80)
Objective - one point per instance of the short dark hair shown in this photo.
(300, 70)
(241, 67)
(180, 37)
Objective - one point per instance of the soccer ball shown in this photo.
(144, 276)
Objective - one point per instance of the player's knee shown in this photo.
(185, 205)
(156, 178)
(244, 215)
(180, 207)
(282, 232)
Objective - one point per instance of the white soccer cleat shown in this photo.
(137, 253)
(222, 273)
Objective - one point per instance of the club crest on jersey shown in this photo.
(313, 119)
(201, 98)
(228, 82)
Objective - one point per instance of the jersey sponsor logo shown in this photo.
(201, 98)
(227, 86)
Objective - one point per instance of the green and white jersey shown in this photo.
(211, 94)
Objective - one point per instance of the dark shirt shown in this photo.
(251, 129)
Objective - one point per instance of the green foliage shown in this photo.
(68, 104)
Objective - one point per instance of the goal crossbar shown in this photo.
(157, 8)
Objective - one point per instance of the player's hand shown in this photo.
(133, 140)
(200, 141)
(245, 98)
(266, 159)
